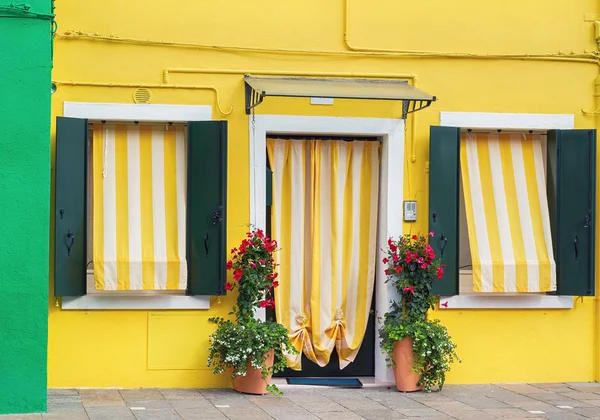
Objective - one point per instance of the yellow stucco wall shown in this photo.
(110, 348)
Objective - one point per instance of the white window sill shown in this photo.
(135, 302)
(506, 302)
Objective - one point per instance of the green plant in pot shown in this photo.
(249, 348)
(419, 350)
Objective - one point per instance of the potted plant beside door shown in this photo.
(419, 350)
(250, 349)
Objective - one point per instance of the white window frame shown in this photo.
(390, 201)
(508, 121)
(145, 113)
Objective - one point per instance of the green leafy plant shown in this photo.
(412, 268)
(235, 342)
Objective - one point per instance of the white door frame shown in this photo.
(391, 184)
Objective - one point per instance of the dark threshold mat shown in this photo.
(340, 382)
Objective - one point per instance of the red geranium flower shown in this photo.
(399, 269)
(275, 284)
(440, 272)
(228, 286)
(229, 265)
(385, 261)
(410, 289)
(237, 274)
(392, 246)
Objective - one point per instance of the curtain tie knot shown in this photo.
(301, 319)
(339, 314)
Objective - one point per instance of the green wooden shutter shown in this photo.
(206, 207)
(571, 197)
(444, 154)
(70, 207)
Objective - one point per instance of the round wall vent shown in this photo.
(141, 96)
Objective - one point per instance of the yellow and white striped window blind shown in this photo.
(139, 210)
(507, 213)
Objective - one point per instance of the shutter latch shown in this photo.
(217, 216)
(588, 219)
(70, 241)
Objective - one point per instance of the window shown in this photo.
(570, 187)
(465, 262)
(206, 150)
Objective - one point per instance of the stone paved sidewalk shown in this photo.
(477, 402)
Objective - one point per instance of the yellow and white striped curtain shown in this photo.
(139, 183)
(325, 200)
(507, 213)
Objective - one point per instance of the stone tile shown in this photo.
(67, 407)
(589, 385)
(296, 413)
(141, 394)
(443, 417)
(472, 415)
(63, 392)
(56, 401)
(481, 401)
(353, 404)
(152, 404)
(109, 413)
(594, 402)
(323, 407)
(529, 404)
(336, 416)
(572, 403)
(306, 397)
(90, 402)
(385, 414)
(419, 412)
(511, 413)
(65, 416)
(447, 407)
(109, 394)
(101, 398)
(218, 392)
(578, 395)
(180, 393)
(271, 401)
(586, 411)
(244, 413)
(548, 397)
(21, 417)
(233, 401)
(201, 414)
(157, 414)
(199, 403)
(396, 401)
(523, 388)
(563, 416)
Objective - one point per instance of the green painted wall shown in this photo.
(25, 72)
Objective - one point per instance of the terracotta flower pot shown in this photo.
(406, 379)
(253, 383)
